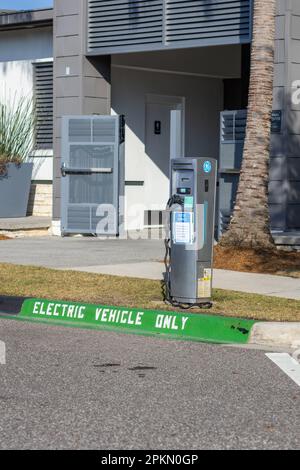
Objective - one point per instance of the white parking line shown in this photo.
(287, 364)
(2, 353)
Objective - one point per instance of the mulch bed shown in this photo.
(268, 262)
(3, 237)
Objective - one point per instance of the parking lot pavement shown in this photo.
(55, 252)
(66, 388)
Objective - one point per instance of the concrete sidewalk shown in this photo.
(30, 226)
(25, 223)
(132, 258)
(265, 284)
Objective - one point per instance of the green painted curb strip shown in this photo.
(185, 326)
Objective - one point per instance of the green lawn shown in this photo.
(112, 290)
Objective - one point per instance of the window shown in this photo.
(43, 91)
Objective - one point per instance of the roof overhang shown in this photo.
(26, 19)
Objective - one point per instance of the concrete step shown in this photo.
(289, 239)
(22, 226)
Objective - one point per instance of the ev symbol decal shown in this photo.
(207, 167)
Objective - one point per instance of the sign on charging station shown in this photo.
(183, 228)
(192, 207)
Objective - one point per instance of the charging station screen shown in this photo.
(184, 191)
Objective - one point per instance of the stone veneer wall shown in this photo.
(40, 199)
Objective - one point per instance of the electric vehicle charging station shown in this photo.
(192, 219)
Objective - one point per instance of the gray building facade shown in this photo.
(285, 146)
(143, 58)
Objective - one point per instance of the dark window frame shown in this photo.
(43, 98)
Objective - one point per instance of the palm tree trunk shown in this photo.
(250, 223)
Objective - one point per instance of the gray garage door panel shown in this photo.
(293, 193)
(92, 182)
(284, 191)
(232, 135)
(293, 217)
(276, 211)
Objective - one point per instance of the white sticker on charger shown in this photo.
(183, 228)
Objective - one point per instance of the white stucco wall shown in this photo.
(18, 50)
(203, 99)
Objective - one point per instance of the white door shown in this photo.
(157, 147)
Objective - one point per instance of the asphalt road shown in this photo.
(65, 388)
(55, 252)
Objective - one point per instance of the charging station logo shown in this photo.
(207, 167)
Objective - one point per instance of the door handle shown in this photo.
(84, 171)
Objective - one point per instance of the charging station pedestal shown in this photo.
(192, 221)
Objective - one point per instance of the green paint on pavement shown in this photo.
(186, 326)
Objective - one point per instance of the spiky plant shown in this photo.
(17, 122)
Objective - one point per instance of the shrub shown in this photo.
(17, 122)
